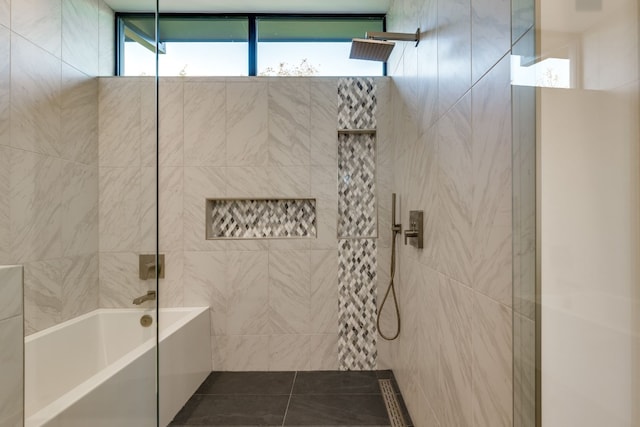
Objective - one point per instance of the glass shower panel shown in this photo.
(588, 177)
(78, 187)
(191, 144)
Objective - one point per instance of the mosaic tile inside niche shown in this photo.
(357, 278)
(357, 212)
(356, 103)
(261, 218)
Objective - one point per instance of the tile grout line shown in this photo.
(284, 419)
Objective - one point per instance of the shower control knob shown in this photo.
(416, 230)
(409, 233)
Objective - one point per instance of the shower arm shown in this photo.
(403, 37)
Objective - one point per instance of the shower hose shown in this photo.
(391, 288)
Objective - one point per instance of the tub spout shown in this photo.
(150, 296)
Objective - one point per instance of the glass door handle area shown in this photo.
(416, 230)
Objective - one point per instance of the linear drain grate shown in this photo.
(392, 404)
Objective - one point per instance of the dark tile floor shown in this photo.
(322, 398)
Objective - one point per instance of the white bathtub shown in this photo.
(99, 369)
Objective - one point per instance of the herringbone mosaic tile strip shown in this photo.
(250, 219)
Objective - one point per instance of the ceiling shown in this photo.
(254, 6)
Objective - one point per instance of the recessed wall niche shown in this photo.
(261, 218)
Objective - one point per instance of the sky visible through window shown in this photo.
(231, 59)
(551, 72)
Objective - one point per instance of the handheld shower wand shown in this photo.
(395, 230)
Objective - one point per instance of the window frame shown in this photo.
(252, 36)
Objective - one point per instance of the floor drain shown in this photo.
(392, 404)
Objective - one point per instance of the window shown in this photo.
(197, 46)
(313, 46)
(214, 45)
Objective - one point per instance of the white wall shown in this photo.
(590, 228)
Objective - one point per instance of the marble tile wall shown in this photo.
(12, 349)
(453, 131)
(49, 58)
(274, 302)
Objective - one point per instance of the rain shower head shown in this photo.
(376, 47)
(371, 50)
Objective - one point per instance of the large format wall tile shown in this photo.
(119, 209)
(289, 181)
(205, 284)
(80, 287)
(171, 123)
(324, 291)
(79, 108)
(289, 122)
(10, 291)
(201, 183)
(323, 352)
(106, 42)
(324, 110)
(428, 312)
(522, 18)
(148, 209)
(248, 182)
(492, 363)
(424, 192)
(171, 210)
(5, 85)
(289, 292)
(455, 187)
(289, 352)
(148, 122)
(5, 13)
(247, 124)
(427, 76)
(36, 209)
(35, 98)
(40, 21)
(248, 284)
(80, 32)
(454, 51)
(205, 120)
(456, 317)
(79, 209)
(492, 223)
(119, 282)
(243, 353)
(59, 290)
(120, 128)
(42, 294)
(171, 288)
(490, 34)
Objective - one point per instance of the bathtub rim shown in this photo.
(69, 398)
